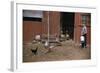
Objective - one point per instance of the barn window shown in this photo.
(32, 15)
(86, 18)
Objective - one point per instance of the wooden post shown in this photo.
(48, 28)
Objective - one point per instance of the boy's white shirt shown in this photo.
(82, 38)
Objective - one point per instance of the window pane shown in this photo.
(84, 19)
(31, 15)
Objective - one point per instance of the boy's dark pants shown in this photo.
(85, 41)
(82, 44)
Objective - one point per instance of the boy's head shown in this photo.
(84, 25)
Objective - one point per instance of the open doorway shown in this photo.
(67, 23)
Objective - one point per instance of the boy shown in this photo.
(84, 33)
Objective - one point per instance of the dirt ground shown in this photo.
(67, 51)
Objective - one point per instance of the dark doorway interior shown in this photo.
(67, 23)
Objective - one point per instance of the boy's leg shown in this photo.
(82, 44)
(85, 41)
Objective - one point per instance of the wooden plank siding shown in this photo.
(32, 28)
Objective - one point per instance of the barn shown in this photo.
(54, 23)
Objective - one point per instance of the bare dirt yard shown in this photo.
(67, 51)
